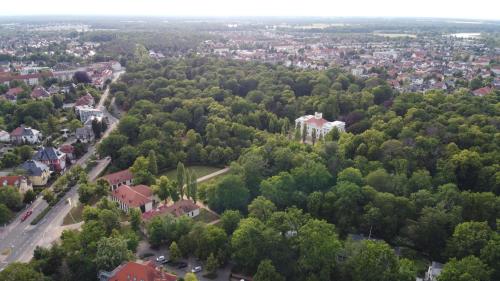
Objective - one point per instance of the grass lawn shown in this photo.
(199, 170)
(205, 216)
(76, 212)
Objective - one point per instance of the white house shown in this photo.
(316, 122)
(86, 112)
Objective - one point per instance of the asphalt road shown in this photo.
(19, 239)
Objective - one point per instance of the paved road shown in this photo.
(19, 239)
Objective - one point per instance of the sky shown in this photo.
(466, 9)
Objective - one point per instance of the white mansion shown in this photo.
(316, 122)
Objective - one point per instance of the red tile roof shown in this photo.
(133, 196)
(67, 148)
(17, 131)
(316, 122)
(85, 100)
(10, 180)
(482, 91)
(137, 271)
(119, 177)
(177, 209)
(14, 91)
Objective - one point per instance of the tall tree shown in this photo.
(469, 268)
(181, 176)
(152, 163)
(267, 272)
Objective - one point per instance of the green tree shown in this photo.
(20, 271)
(212, 263)
(175, 252)
(190, 277)
(351, 175)
(261, 208)
(304, 132)
(165, 188)
(318, 247)
(249, 244)
(468, 239)
(5, 214)
(230, 193)
(374, 261)
(48, 195)
(469, 268)
(135, 219)
(141, 172)
(111, 252)
(152, 163)
(230, 220)
(267, 272)
(181, 177)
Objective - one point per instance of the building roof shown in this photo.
(67, 148)
(139, 271)
(85, 132)
(14, 92)
(39, 92)
(85, 100)
(10, 180)
(34, 168)
(118, 177)
(133, 196)
(317, 122)
(48, 154)
(482, 91)
(23, 131)
(177, 209)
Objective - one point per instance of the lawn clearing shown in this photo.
(76, 212)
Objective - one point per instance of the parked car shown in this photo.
(182, 265)
(160, 258)
(26, 215)
(196, 269)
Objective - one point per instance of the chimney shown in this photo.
(318, 115)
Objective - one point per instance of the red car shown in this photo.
(26, 215)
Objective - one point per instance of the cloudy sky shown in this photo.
(470, 9)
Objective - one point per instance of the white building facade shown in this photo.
(316, 122)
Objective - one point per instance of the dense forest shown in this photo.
(417, 173)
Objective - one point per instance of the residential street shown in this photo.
(19, 239)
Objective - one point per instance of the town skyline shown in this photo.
(261, 8)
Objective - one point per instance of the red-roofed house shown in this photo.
(179, 208)
(87, 99)
(139, 196)
(20, 182)
(12, 93)
(481, 92)
(119, 178)
(40, 93)
(69, 150)
(134, 271)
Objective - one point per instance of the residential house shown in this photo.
(37, 172)
(40, 93)
(316, 122)
(135, 271)
(85, 134)
(69, 150)
(85, 112)
(120, 178)
(433, 271)
(20, 182)
(481, 92)
(54, 89)
(22, 135)
(138, 196)
(4, 136)
(52, 157)
(177, 209)
(86, 99)
(13, 93)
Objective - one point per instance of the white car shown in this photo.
(196, 269)
(160, 258)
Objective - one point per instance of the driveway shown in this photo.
(144, 247)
